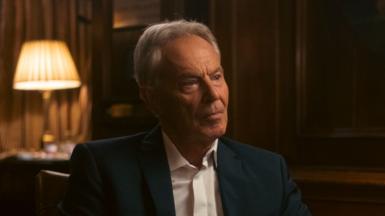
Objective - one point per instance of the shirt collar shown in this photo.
(176, 159)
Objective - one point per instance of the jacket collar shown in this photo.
(234, 182)
(156, 172)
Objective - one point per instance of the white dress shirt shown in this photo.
(196, 191)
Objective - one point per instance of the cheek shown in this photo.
(176, 106)
(226, 89)
(225, 95)
(189, 106)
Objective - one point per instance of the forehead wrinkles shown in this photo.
(191, 55)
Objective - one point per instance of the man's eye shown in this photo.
(189, 84)
(216, 76)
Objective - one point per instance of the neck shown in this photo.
(192, 150)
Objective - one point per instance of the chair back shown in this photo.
(51, 187)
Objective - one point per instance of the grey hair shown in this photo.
(148, 50)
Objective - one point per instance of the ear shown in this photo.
(148, 96)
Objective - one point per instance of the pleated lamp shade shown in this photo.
(45, 65)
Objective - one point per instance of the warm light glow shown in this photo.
(45, 65)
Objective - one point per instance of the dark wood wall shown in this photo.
(305, 80)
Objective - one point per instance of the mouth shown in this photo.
(214, 115)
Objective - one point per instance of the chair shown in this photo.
(50, 190)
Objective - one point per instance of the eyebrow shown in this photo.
(190, 73)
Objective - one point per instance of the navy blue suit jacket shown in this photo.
(130, 176)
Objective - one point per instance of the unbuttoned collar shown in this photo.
(176, 159)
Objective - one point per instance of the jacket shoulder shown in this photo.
(254, 156)
(114, 146)
(248, 150)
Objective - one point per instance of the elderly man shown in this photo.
(184, 166)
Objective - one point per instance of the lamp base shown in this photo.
(47, 143)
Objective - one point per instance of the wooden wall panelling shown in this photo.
(101, 56)
(258, 55)
(256, 73)
(197, 10)
(327, 78)
(172, 9)
(186, 9)
(302, 83)
(247, 33)
(339, 125)
(286, 81)
(339, 97)
(342, 192)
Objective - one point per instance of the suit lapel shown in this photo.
(233, 182)
(156, 172)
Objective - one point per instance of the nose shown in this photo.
(210, 91)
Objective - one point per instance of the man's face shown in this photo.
(191, 97)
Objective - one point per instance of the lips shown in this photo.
(213, 112)
(213, 115)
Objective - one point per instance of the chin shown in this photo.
(215, 132)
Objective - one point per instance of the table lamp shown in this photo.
(45, 65)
